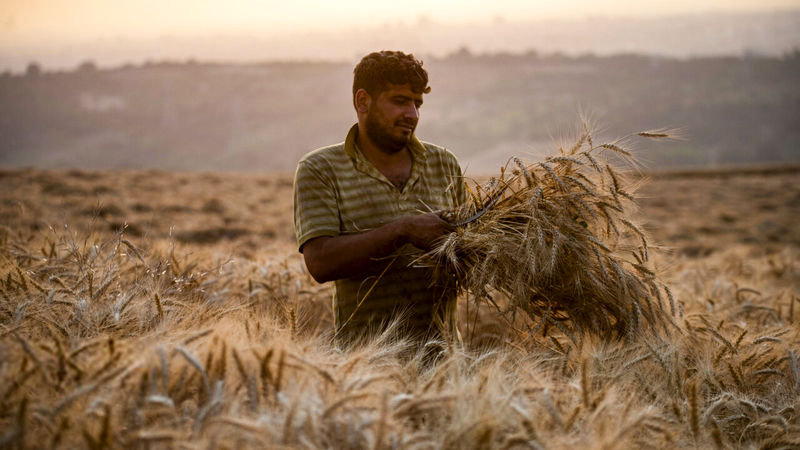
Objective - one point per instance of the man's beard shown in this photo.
(383, 140)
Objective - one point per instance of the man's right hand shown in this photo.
(424, 230)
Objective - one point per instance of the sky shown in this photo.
(61, 32)
(34, 21)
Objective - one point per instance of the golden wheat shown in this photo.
(558, 241)
(85, 365)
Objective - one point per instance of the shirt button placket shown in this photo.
(398, 202)
(403, 201)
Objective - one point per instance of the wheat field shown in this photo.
(146, 309)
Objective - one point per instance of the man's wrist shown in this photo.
(399, 231)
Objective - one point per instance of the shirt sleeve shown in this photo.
(458, 183)
(316, 212)
(460, 186)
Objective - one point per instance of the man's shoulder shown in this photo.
(439, 152)
(325, 156)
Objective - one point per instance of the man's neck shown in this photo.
(396, 166)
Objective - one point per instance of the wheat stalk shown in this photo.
(563, 259)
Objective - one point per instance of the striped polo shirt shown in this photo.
(337, 191)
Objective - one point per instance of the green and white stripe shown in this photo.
(337, 191)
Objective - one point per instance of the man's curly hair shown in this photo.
(379, 69)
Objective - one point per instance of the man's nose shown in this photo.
(412, 112)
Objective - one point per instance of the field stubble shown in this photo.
(174, 311)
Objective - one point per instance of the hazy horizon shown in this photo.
(737, 30)
(485, 108)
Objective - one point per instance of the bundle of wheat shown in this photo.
(558, 239)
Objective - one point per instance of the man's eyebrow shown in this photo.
(406, 97)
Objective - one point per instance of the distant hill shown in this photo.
(263, 117)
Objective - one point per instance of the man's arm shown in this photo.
(331, 258)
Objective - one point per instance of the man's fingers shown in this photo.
(428, 229)
(445, 215)
(442, 222)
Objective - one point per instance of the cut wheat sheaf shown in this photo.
(561, 244)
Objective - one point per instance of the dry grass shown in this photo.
(113, 340)
(559, 242)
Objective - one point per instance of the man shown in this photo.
(358, 206)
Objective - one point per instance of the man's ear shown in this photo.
(363, 101)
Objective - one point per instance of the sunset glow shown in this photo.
(26, 21)
(61, 34)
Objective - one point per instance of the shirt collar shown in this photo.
(418, 152)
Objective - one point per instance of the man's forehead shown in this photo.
(400, 89)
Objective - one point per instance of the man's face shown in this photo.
(393, 116)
